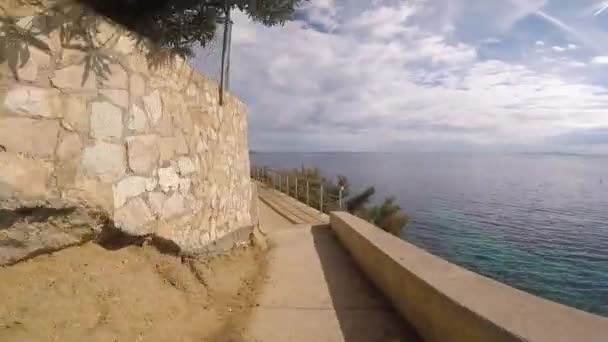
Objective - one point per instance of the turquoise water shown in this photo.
(536, 222)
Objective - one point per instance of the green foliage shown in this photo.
(388, 215)
(179, 25)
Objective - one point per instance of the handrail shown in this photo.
(311, 192)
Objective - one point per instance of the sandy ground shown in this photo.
(90, 293)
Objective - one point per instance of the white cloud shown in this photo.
(600, 60)
(558, 48)
(381, 77)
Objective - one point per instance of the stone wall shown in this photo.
(150, 147)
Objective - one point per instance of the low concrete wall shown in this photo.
(445, 302)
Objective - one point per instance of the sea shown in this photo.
(537, 222)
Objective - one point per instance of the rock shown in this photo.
(22, 177)
(137, 121)
(134, 218)
(181, 146)
(173, 206)
(105, 161)
(29, 71)
(125, 45)
(168, 146)
(137, 87)
(185, 165)
(127, 188)
(184, 186)
(157, 200)
(151, 184)
(33, 101)
(70, 146)
(75, 114)
(168, 179)
(116, 96)
(106, 121)
(153, 106)
(143, 153)
(75, 78)
(33, 137)
(116, 78)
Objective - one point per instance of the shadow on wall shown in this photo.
(78, 28)
(363, 314)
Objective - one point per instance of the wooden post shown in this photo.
(287, 183)
(296, 187)
(340, 197)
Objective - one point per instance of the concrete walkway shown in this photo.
(314, 292)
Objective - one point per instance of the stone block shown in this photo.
(116, 77)
(185, 165)
(127, 188)
(168, 147)
(181, 145)
(118, 97)
(156, 200)
(24, 135)
(74, 77)
(153, 106)
(168, 179)
(173, 206)
(105, 161)
(137, 86)
(75, 113)
(70, 146)
(184, 185)
(33, 101)
(22, 177)
(143, 153)
(125, 45)
(106, 121)
(137, 120)
(135, 218)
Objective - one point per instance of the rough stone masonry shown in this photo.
(149, 147)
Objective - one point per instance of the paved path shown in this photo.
(314, 292)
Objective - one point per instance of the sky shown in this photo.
(386, 75)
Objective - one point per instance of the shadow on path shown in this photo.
(363, 313)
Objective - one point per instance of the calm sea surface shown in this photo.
(535, 222)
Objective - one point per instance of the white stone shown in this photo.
(116, 77)
(184, 185)
(137, 120)
(153, 106)
(106, 121)
(127, 188)
(74, 77)
(143, 153)
(116, 96)
(157, 200)
(104, 160)
(125, 45)
(168, 179)
(185, 166)
(33, 101)
(151, 184)
(173, 206)
(70, 146)
(137, 87)
(134, 218)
